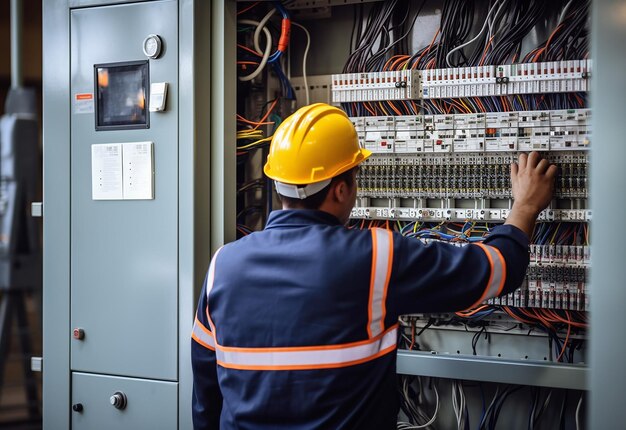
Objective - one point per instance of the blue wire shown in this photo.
(276, 55)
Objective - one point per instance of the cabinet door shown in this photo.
(124, 253)
(149, 405)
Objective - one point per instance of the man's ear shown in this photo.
(340, 191)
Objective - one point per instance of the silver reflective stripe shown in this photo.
(211, 275)
(498, 272)
(202, 335)
(307, 357)
(381, 244)
(296, 192)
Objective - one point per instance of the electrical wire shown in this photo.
(580, 402)
(409, 426)
(304, 58)
(482, 30)
(265, 54)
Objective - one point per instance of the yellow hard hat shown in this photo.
(315, 144)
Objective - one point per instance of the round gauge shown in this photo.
(152, 46)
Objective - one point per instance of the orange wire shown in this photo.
(248, 8)
(427, 50)
(512, 315)
(366, 106)
(242, 119)
(395, 63)
(254, 63)
(412, 335)
(394, 108)
(249, 50)
(390, 60)
(267, 114)
(542, 50)
(469, 313)
(569, 330)
(482, 59)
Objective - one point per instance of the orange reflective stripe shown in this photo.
(300, 358)
(497, 274)
(382, 259)
(202, 335)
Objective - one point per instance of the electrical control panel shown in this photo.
(446, 96)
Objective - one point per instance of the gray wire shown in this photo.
(306, 53)
(475, 38)
(580, 402)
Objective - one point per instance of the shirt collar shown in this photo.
(300, 217)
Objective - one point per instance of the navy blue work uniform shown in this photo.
(297, 325)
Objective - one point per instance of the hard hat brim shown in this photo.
(362, 155)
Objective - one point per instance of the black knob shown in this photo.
(118, 400)
(77, 407)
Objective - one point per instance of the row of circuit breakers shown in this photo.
(555, 279)
(480, 81)
(454, 158)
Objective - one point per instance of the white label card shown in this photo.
(138, 175)
(106, 172)
(122, 171)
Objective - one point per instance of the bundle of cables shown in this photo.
(378, 44)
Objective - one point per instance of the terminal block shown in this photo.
(375, 86)
(486, 81)
(557, 130)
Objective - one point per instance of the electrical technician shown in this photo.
(297, 325)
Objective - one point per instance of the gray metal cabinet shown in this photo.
(124, 253)
(126, 274)
(148, 404)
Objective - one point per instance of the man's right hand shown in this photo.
(532, 180)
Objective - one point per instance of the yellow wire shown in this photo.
(558, 226)
(466, 107)
(249, 134)
(250, 145)
(382, 108)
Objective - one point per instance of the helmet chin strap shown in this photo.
(296, 192)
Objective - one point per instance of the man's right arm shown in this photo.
(439, 277)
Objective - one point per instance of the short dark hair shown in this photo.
(315, 201)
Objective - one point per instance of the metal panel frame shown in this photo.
(56, 194)
(535, 373)
(194, 182)
(223, 125)
(608, 176)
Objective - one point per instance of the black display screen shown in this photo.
(122, 95)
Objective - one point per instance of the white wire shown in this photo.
(474, 39)
(580, 402)
(463, 405)
(493, 20)
(306, 52)
(455, 405)
(562, 17)
(261, 25)
(409, 426)
(266, 54)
